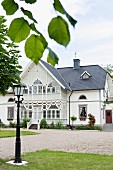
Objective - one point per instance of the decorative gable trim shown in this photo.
(85, 75)
(52, 76)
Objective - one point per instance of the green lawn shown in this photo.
(56, 160)
(12, 133)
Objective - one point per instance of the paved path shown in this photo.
(62, 140)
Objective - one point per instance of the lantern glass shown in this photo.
(19, 89)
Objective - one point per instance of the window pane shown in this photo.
(39, 89)
(57, 114)
(53, 89)
(44, 89)
(34, 89)
(53, 114)
(48, 114)
(30, 89)
(30, 114)
(44, 114)
(44, 106)
(25, 91)
(10, 113)
(83, 112)
(48, 90)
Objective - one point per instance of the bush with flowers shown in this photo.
(91, 120)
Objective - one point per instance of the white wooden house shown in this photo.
(57, 94)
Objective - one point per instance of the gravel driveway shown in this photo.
(62, 140)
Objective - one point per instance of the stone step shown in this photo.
(108, 127)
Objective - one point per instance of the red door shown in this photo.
(108, 116)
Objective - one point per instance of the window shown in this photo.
(83, 112)
(44, 89)
(53, 112)
(39, 89)
(25, 91)
(44, 114)
(48, 114)
(37, 82)
(57, 114)
(51, 88)
(23, 112)
(53, 107)
(30, 114)
(34, 89)
(85, 75)
(10, 113)
(30, 89)
(10, 100)
(82, 97)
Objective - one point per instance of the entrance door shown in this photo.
(108, 116)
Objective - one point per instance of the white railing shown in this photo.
(33, 121)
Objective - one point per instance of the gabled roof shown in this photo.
(56, 74)
(72, 77)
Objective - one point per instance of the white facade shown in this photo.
(46, 97)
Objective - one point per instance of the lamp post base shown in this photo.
(23, 163)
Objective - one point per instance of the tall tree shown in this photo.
(9, 55)
(36, 43)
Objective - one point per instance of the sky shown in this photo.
(91, 39)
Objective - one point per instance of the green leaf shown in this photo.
(10, 6)
(58, 7)
(32, 26)
(19, 30)
(52, 58)
(29, 14)
(58, 30)
(30, 1)
(71, 20)
(34, 48)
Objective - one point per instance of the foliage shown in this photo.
(109, 68)
(20, 29)
(9, 55)
(2, 125)
(59, 125)
(12, 133)
(87, 127)
(47, 160)
(24, 122)
(91, 120)
(52, 126)
(73, 118)
(12, 124)
(43, 124)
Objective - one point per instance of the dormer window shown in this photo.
(85, 75)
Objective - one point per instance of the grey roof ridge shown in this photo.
(64, 79)
(81, 66)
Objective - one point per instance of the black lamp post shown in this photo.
(18, 91)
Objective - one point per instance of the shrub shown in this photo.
(52, 126)
(91, 120)
(23, 124)
(1, 124)
(43, 124)
(59, 125)
(73, 118)
(12, 124)
(86, 127)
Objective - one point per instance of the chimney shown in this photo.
(76, 63)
